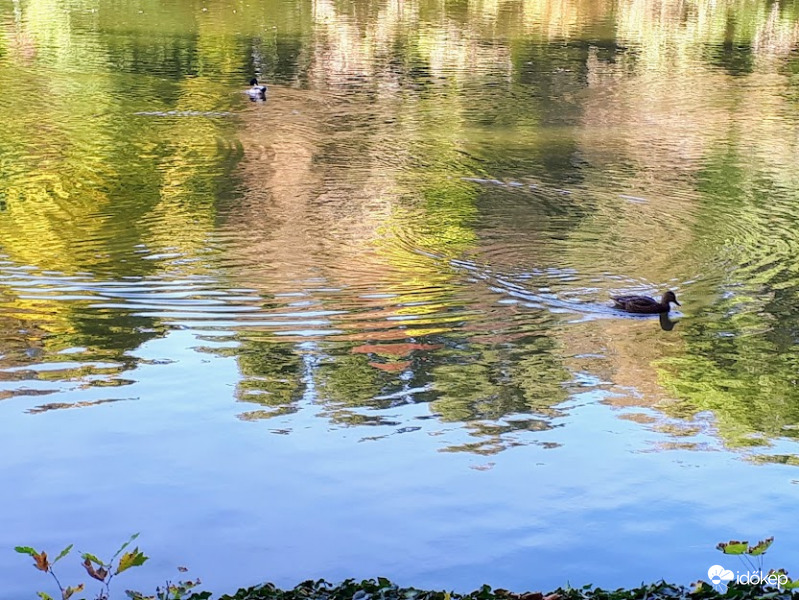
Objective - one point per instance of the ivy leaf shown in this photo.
(733, 547)
(67, 593)
(761, 546)
(130, 559)
(63, 553)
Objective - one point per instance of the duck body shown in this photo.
(256, 91)
(646, 305)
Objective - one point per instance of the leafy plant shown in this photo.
(105, 571)
(383, 589)
(41, 562)
(173, 591)
(745, 552)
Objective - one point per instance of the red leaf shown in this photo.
(99, 574)
(41, 561)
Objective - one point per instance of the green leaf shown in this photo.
(130, 559)
(63, 553)
(44, 596)
(780, 574)
(733, 547)
(125, 545)
(91, 558)
(26, 550)
(761, 546)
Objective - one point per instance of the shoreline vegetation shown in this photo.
(383, 589)
(773, 585)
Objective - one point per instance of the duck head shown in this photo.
(669, 297)
(253, 81)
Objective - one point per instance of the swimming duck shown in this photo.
(645, 304)
(256, 92)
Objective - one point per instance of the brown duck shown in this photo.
(645, 304)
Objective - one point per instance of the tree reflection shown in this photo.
(627, 139)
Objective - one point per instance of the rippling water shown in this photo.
(363, 328)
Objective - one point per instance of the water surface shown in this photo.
(363, 328)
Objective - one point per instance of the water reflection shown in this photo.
(666, 324)
(345, 206)
(417, 236)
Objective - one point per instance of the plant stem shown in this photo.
(58, 583)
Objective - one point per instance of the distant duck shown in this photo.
(645, 304)
(256, 92)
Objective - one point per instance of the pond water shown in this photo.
(363, 328)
